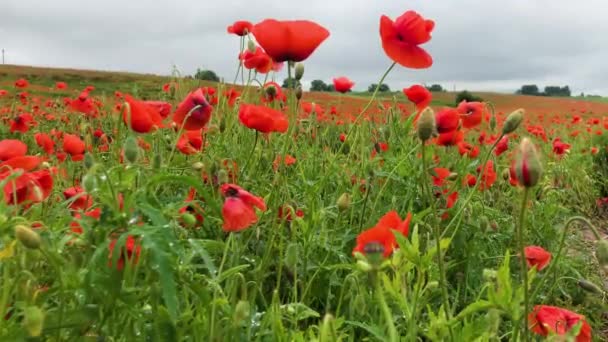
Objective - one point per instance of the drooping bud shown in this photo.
(89, 161)
(513, 121)
(589, 286)
(241, 312)
(528, 168)
(251, 46)
(89, 182)
(27, 237)
(492, 123)
(299, 92)
(506, 174)
(198, 165)
(131, 150)
(299, 71)
(484, 223)
(33, 320)
(601, 253)
(427, 126)
(291, 256)
(327, 329)
(157, 161)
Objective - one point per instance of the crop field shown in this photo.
(165, 208)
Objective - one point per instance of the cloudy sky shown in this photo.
(477, 44)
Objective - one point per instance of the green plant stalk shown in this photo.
(179, 133)
(437, 232)
(219, 273)
(523, 264)
(386, 312)
(255, 143)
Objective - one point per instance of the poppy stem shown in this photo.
(255, 143)
(522, 257)
(386, 312)
(179, 133)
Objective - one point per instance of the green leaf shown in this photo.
(299, 311)
(228, 273)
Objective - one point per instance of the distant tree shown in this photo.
(529, 89)
(331, 88)
(288, 82)
(435, 88)
(466, 95)
(206, 75)
(318, 85)
(384, 88)
(557, 91)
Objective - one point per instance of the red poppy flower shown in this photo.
(73, 146)
(21, 83)
(447, 120)
(289, 40)
(82, 201)
(10, 148)
(381, 235)
(232, 95)
(83, 104)
(400, 39)
(3, 92)
(240, 28)
(238, 210)
(199, 117)
(27, 163)
(470, 180)
(537, 257)
(163, 108)
(488, 176)
(450, 138)
(33, 187)
(61, 85)
(468, 149)
(258, 60)
(545, 319)
(22, 123)
(190, 142)
(263, 119)
(273, 91)
(45, 142)
(132, 250)
(287, 161)
(440, 176)
(143, 118)
(343, 84)
(471, 113)
(418, 95)
(559, 147)
(502, 146)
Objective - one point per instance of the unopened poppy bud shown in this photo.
(291, 256)
(601, 253)
(45, 165)
(528, 168)
(89, 161)
(492, 122)
(157, 161)
(299, 92)
(222, 125)
(27, 236)
(241, 312)
(452, 176)
(198, 166)
(33, 321)
(506, 174)
(589, 286)
(188, 220)
(299, 71)
(344, 202)
(251, 46)
(89, 182)
(513, 121)
(426, 124)
(131, 150)
(484, 223)
(327, 329)
(271, 91)
(222, 176)
(364, 266)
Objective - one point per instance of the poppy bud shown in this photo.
(241, 312)
(33, 320)
(198, 166)
(222, 125)
(251, 46)
(364, 266)
(188, 220)
(327, 329)
(601, 253)
(157, 161)
(131, 150)
(89, 161)
(291, 256)
(452, 176)
(299, 71)
(528, 168)
(45, 165)
(513, 121)
(506, 174)
(426, 124)
(492, 123)
(27, 237)
(589, 286)
(271, 91)
(299, 92)
(89, 182)
(484, 223)
(222, 176)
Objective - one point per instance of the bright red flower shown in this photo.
(73, 146)
(381, 235)
(198, 117)
(140, 117)
(240, 28)
(440, 176)
(258, 60)
(82, 200)
(27, 163)
(400, 39)
(131, 248)
(238, 210)
(83, 104)
(502, 146)
(45, 142)
(343, 84)
(471, 113)
(452, 138)
(470, 180)
(61, 85)
(287, 161)
(537, 257)
(10, 148)
(33, 187)
(263, 119)
(289, 40)
(21, 123)
(545, 319)
(3, 92)
(163, 108)
(559, 147)
(190, 142)
(232, 95)
(447, 120)
(21, 83)
(418, 95)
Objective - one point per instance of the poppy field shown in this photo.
(165, 209)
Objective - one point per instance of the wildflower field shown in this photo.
(148, 208)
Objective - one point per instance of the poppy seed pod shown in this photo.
(344, 201)
(27, 237)
(513, 121)
(188, 219)
(426, 124)
(131, 150)
(589, 286)
(528, 168)
(299, 71)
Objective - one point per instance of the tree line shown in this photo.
(534, 90)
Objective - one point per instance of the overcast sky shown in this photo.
(477, 44)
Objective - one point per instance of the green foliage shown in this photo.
(435, 88)
(532, 89)
(319, 85)
(384, 88)
(465, 95)
(206, 75)
(290, 83)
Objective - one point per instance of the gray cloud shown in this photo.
(480, 45)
